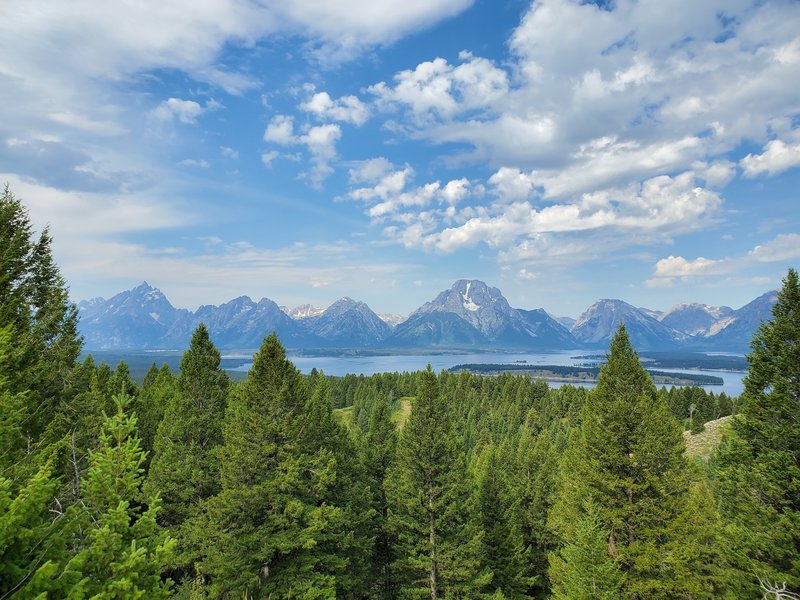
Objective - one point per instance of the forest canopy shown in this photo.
(398, 485)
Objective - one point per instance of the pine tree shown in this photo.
(34, 303)
(122, 550)
(431, 505)
(32, 537)
(535, 468)
(185, 468)
(584, 569)
(158, 388)
(502, 550)
(627, 460)
(377, 447)
(758, 478)
(263, 526)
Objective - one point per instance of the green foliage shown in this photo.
(377, 449)
(158, 388)
(34, 304)
(32, 542)
(185, 468)
(431, 506)
(122, 550)
(584, 569)
(502, 549)
(758, 477)
(263, 528)
(627, 461)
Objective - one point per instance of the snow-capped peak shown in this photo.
(469, 304)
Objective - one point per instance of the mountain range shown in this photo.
(470, 315)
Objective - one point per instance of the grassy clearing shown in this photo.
(701, 445)
(346, 416)
(400, 417)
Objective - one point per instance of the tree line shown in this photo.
(403, 485)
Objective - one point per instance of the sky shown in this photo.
(303, 151)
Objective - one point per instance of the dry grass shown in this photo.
(401, 416)
(701, 445)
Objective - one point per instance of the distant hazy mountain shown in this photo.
(436, 330)
(548, 332)
(694, 318)
(349, 324)
(567, 322)
(734, 332)
(597, 325)
(243, 323)
(392, 320)
(304, 311)
(469, 315)
(137, 318)
(473, 315)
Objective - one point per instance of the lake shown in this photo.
(369, 365)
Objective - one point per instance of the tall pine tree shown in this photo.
(34, 303)
(262, 528)
(758, 478)
(627, 461)
(432, 512)
(185, 467)
(122, 551)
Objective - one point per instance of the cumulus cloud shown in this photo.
(782, 248)
(389, 193)
(595, 96)
(186, 111)
(229, 152)
(437, 87)
(778, 156)
(320, 142)
(347, 109)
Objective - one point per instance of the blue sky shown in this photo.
(303, 151)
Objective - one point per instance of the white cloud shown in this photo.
(593, 97)
(777, 157)
(280, 130)
(321, 144)
(512, 184)
(185, 111)
(268, 157)
(782, 248)
(389, 193)
(436, 87)
(348, 109)
(229, 152)
(320, 141)
(191, 162)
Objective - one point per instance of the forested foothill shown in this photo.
(398, 485)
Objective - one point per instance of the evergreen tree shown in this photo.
(158, 388)
(262, 528)
(34, 303)
(758, 478)
(377, 448)
(185, 468)
(122, 550)
(502, 550)
(32, 537)
(627, 460)
(431, 505)
(584, 569)
(535, 468)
